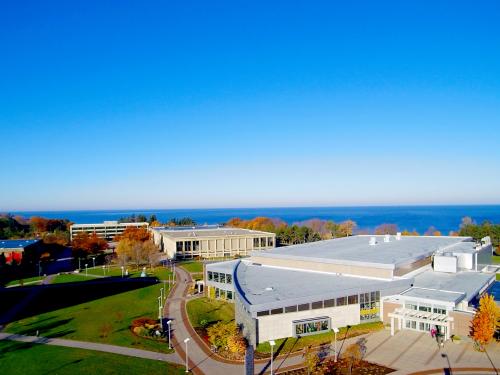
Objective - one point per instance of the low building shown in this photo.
(310, 288)
(14, 250)
(208, 242)
(107, 230)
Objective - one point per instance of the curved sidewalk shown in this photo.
(146, 354)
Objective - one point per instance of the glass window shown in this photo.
(352, 300)
(210, 275)
(262, 313)
(216, 277)
(196, 245)
(222, 294)
(256, 242)
(423, 307)
(217, 292)
(411, 306)
(317, 305)
(222, 278)
(290, 309)
(341, 301)
(229, 279)
(187, 245)
(270, 241)
(263, 242)
(303, 307)
(229, 294)
(311, 326)
(179, 246)
(277, 311)
(329, 303)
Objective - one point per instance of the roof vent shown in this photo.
(387, 238)
(269, 288)
(373, 241)
(398, 236)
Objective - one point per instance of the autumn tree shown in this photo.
(311, 359)
(134, 234)
(408, 233)
(151, 253)
(386, 229)
(485, 321)
(347, 228)
(85, 244)
(124, 251)
(354, 354)
(432, 231)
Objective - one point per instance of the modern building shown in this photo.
(13, 250)
(409, 282)
(107, 230)
(208, 242)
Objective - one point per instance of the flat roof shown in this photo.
(15, 244)
(225, 266)
(212, 232)
(470, 283)
(109, 224)
(356, 250)
(266, 287)
(434, 295)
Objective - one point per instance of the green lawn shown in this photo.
(26, 280)
(71, 278)
(160, 272)
(495, 259)
(192, 266)
(210, 310)
(498, 276)
(292, 344)
(31, 359)
(104, 320)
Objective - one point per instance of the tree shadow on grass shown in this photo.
(45, 326)
(44, 298)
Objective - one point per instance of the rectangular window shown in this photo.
(178, 245)
(329, 303)
(303, 307)
(216, 277)
(352, 300)
(270, 241)
(229, 279)
(317, 305)
(263, 242)
(217, 292)
(256, 242)
(411, 306)
(277, 311)
(229, 295)
(222, 278)
(263, 313)
(196, 245)
(311, 326)
(341, 301)
(187, 245)
(210, 276)
(290, 309)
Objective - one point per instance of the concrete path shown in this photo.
(173, 358)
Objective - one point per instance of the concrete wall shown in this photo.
(404, 269)
(387, 308)
(277, 326)
(461, 323)
(324, 267)
(445, 263)
(247, 324)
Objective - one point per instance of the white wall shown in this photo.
(445, 263)
(277, 326)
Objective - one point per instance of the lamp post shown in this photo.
(39, 269)
(165, 288)
(161, 294)
(122, 270)
(160, 313)
(168, 325)
(93, 261)
(335, 331)
(186, 340)
(272, 343)
(79, 266)
(103, 270)
(86, 272)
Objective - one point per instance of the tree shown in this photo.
(346, 228)
(236, 343)
(354, 353)
(219, 333)
(311, 359)
(386, 229)
(85, 244)
(151, 253)
(152, 219)
(432, 231)
(134, 234)
(124, 251)
(408, 233)
(485, 321)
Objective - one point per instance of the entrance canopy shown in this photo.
(434, 319)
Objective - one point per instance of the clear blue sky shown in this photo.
(119, 104)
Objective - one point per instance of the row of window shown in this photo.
(309, 327)
(369, 305)
(220, 277)
(224, 294)
(437, 309)
(224, 244)
(341, 301)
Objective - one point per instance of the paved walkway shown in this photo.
(173, 358)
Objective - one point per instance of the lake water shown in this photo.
(419, 218)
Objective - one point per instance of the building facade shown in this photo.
(209, 242)
(310, 288)
(15, 250)
(107, 230)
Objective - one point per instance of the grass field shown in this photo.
(495, 259)
(192, 266)
(292, 344)
(161, 273)
(32, 359)
(104, 320)
(71, 278)
(26, 280)
(210, 310)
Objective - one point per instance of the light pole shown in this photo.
(39, 269)
(272, 343)
(122, 270)
(103, 270)
(79, 266)
(161, 294)
(186, 340)
(165, 288)
(86, 272)
(93, 261)
(169, 343)
(160, 312)
(335, 331)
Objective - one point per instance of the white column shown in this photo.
(392, 326)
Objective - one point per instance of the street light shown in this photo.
(161, 293)
(122, 270)
(103, 270)
(169, 343)
(160, 314)
(272, 343)
(86, 272)
(93, 261)
(335, 331)
(186, 340)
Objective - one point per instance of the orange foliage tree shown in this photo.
(86, 244)
(140, 234)
(485, 321)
